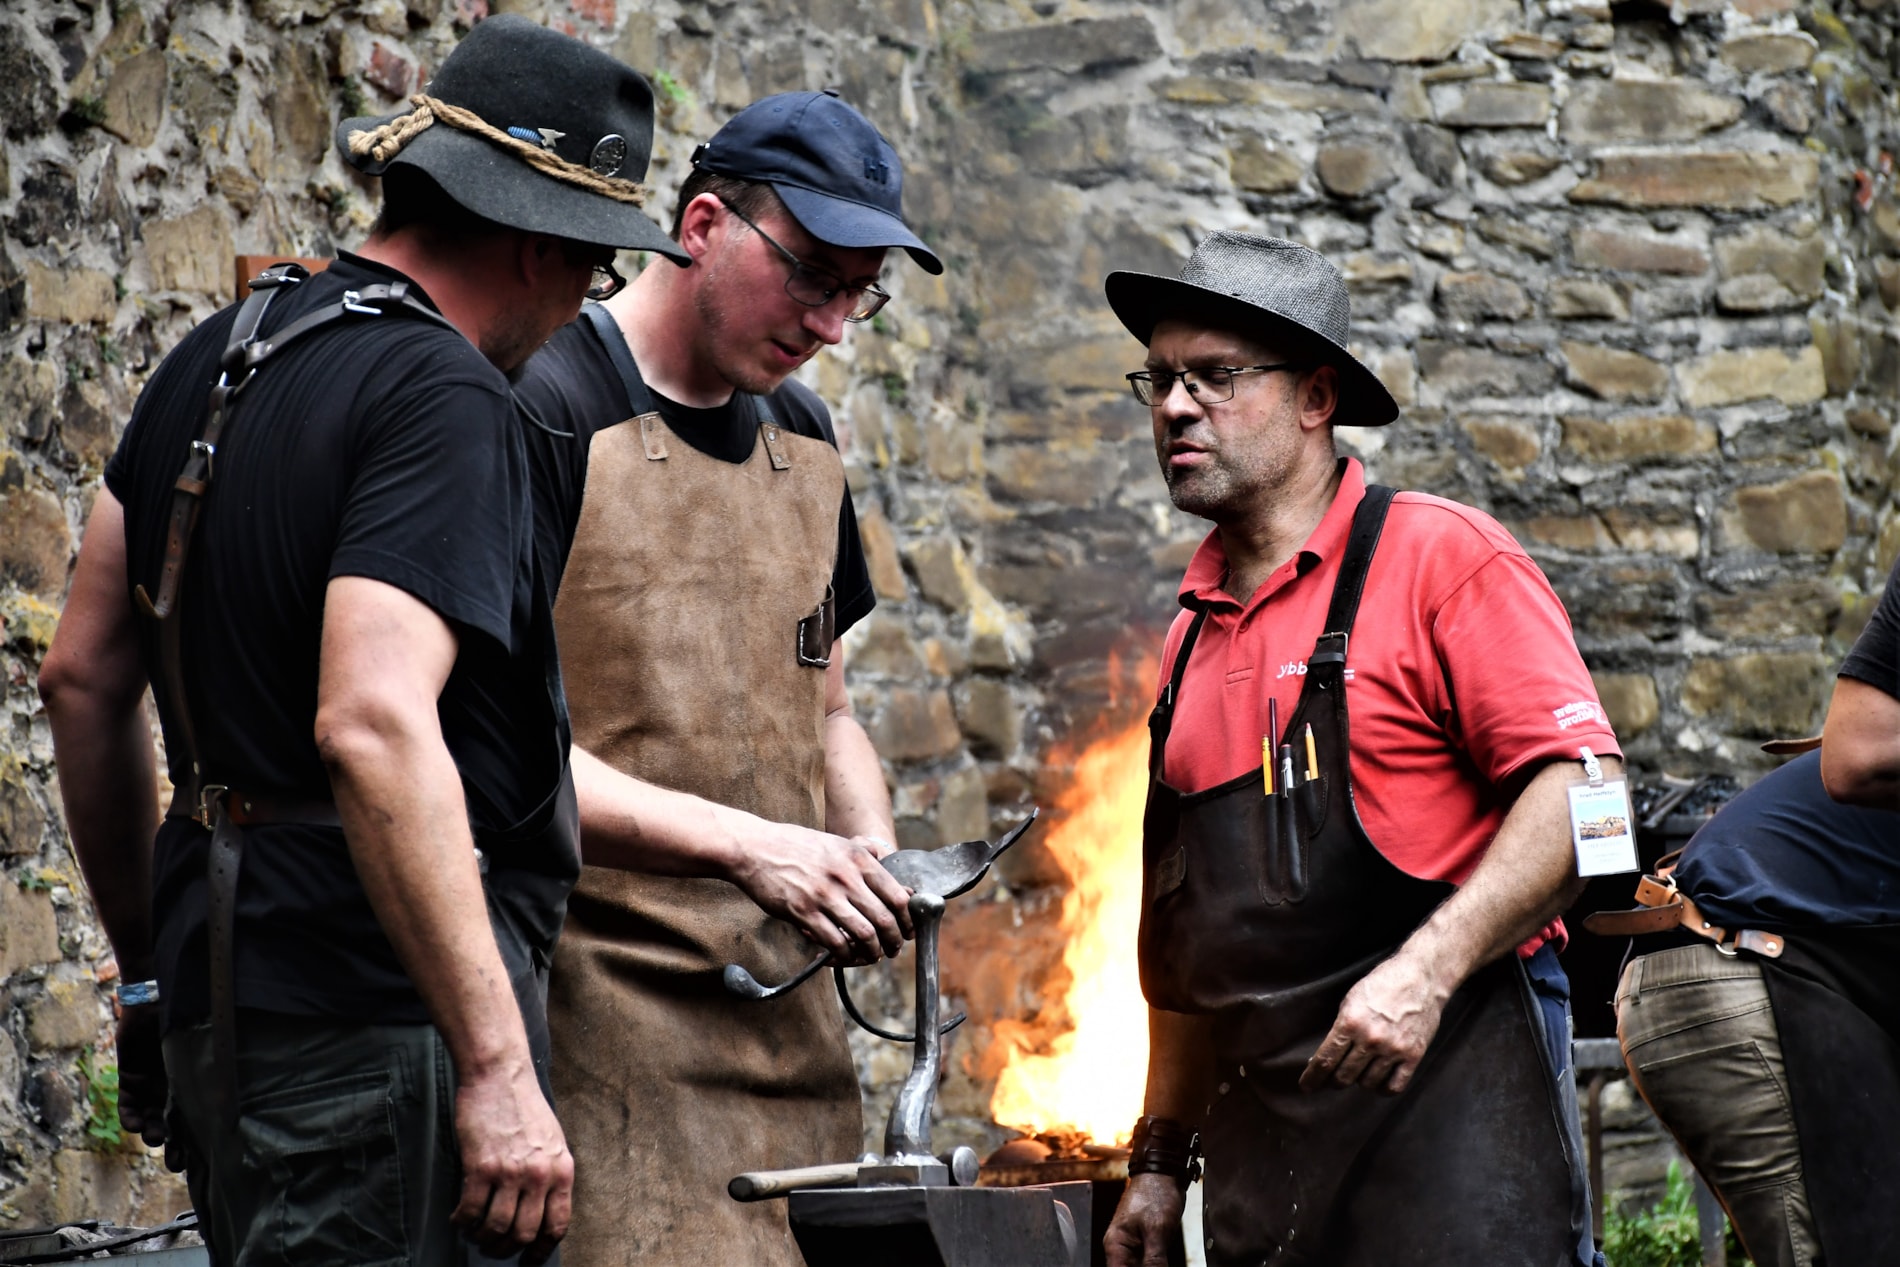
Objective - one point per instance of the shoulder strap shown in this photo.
(639, 399)
(1161, 720)
(1368, 523)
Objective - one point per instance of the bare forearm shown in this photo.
(108, 785)
(1528, 877)
(632, 825)
(1860, 746)
(1180, 1066)
(856, 801)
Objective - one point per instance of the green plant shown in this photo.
(351, 94)
(109, 350)
(118, 287)
(102, 1101)
(91, 109)
(671, 88)
(896, 389)
(1666, 1234)
(879, 325)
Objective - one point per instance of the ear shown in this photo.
(534, 259)
(1319, 397)
(702, 226)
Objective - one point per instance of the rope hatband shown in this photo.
(387, 141)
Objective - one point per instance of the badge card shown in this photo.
(1600, 828)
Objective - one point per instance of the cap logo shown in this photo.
(876, 170)
(610, 152)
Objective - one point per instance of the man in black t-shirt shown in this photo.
(346, 914)
(690, 498)
(1860, 752)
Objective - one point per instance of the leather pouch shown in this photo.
(816, 632)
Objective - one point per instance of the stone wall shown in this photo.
(1631, 271)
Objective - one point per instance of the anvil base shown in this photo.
(1043, 1226)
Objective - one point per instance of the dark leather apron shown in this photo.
(1264, 914)
(1843, 1085)
(685, 621)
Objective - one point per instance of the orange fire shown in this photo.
(1090, 1077)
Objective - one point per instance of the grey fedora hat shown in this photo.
(528, 128)
(1237, 279)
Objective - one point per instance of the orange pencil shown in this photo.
(1312, 757)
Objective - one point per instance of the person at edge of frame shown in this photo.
(691, 504)
(1358, 1023)
(1860, 743)
(333, 946)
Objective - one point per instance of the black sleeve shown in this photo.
(850, 575)
(1875, 658)
(438, 500)
(567, 391)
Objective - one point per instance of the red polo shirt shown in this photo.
(1462, 676)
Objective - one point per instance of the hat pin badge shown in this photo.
(544, 137)
(609, 153)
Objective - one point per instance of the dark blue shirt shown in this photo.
(1785, 856)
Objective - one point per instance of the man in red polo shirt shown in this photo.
(1357, 1015)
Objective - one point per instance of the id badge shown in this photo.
(1601, 825)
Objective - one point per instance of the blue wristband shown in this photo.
(137, 993)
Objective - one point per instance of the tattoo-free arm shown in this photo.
(385, 659)
(1180, 1086)
(1860, 746)
(856, 801)
(1526, 879)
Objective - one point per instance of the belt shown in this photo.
(252, 809)
(1664, 906)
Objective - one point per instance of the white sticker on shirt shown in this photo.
(1600, 828)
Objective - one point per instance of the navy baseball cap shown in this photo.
(836, 174)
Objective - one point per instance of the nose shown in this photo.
(827, 320)
(1178, 407)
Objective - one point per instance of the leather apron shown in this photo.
(679, 619)
(1263, 913)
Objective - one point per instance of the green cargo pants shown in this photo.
(344, 1149)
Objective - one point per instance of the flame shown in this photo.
(1091, 1076)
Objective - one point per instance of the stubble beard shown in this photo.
(716, 326)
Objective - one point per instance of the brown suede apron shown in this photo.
(1264, 913)
(679, 619)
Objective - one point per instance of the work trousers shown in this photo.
(343, 1151)
(1702, 1047)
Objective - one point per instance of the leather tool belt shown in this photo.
(1664, 906)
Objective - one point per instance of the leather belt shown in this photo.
(1664, 907)
(252, 809)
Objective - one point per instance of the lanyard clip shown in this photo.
(1592, 768)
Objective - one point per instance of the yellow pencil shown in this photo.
(1312, 757)
(1266, 761)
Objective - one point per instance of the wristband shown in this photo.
(136, 993)
(1163, 1146)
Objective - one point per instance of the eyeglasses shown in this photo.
(814, 287)
(1209, 385)
(606, 284)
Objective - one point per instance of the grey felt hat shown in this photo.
(549, 90)
(1237, 279)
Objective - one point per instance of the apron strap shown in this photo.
(639, 399)
(1161, 720)
(1368, 523)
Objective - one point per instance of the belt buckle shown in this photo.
(206, 798)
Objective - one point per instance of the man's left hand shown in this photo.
(1384, 1026)
(142, 1083)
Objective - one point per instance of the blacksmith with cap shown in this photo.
(692, 506)
(315, 543)
(1358, 1021)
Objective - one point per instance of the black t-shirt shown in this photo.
(1875, 658)
(1783, 855)
(571, 389)
(386, 448)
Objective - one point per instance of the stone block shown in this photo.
(1870, 422)
(1887, 281)
(191, 252)
(73, 295)
(1637, 437)
(1837, 341)
(1406, 31)
(1757, 292)
(943, 572)
(1377, 268)
(36, 544)
(1067, 474)
(26, 84)
(1263, 167)
(1730, 180)
(991, 717)
(300, 104)
(1522, 46)
(1739, 374)
(1564, 532)
(1513, 231)
(1773, 54)
(1356, 167)
(1517, 167)
(1066, 47)
(1614, 374)
(1436, 154)
(1631, 701)
(1510, 442)
(1394, 368)
(963, 806)
(880, 552)
(29, 933)
(68, 1012)
(1587, 298)
(134, 98)
(1654, 531)
(1762, 696)
(1632, 248)
(389, 70)
(22, 820)
(880, 647)
(915, 725)
(1492, 105)
(1796, 260)
(89, 422)
(1804, 608)
(1803, 515)
(91, 1185)
(1457, 370)
(1482, 297)
(1791, 105)
(1606, 111)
